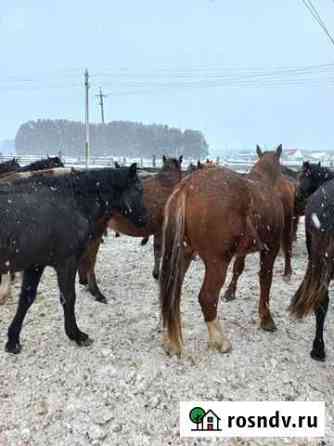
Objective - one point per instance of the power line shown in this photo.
(311, 8)
(245, 78)
(219, 72)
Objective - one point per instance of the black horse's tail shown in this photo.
(314, 286)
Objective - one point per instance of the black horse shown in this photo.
(9, 166)
(49, 220)
(13, 166)
(311, 177)
(47, 163)
(316, 188)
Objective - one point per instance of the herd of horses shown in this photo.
(55, 216)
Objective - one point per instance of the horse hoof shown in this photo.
(83, 281)
(171, 348)
(225, 347)
(13, 348)
(318, 355)
(101, 299)
(84, 341)
(155, 275)
(229, 296)
(268, 325)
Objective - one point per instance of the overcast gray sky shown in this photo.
(165, 61)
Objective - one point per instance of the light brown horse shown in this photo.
(285, 189)
(219, 214)
(157, 189)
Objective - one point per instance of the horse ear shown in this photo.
(164, 159)
(180, 159)
(306, 166)
(279, 150)
(133, 170)
(259, 151)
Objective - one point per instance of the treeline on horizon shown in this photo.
(116, 138)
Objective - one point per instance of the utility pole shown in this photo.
(101, 104)
(87, 144)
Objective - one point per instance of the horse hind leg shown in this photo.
(157, 245)
(295, 222)
(267, 260)
(215, 274)
(66, 281)
(318, 349)
(86, 270)
(287, 240)
(238, 268)
(31, 279)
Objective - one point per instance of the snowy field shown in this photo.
(124, 390)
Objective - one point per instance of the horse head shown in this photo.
(311, 177)
(131, 202)
(172, 163)
(268, 164)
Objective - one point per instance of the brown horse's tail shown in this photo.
(314, 286)
(171, 274)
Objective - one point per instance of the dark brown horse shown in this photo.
(157, 189)
(219, 214)
(285, 189)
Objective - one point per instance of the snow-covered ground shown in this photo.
(124, 390)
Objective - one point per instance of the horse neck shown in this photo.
(326, 175)
(265, 172)
(169, 177)
(92, 191)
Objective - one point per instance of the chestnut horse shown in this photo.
(157, 189)
(218, 214)
(285, 189)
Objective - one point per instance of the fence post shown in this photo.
(154, 161)
(124, 161)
